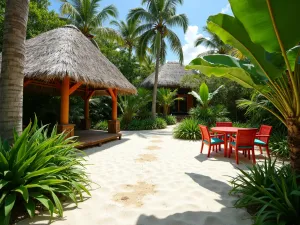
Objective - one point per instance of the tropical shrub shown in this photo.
(166, 98)
(188, 129)
(132, 105)
(270, 192)
(209, 115)
(170, 120)
(279, 145)
(39, 170)
(146, 124)
(102, 125)
(274, 53)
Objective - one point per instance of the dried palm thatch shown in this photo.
(169, 76)
(67, 52)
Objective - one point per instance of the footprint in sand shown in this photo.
(153, 147)
(134, 194)
(146, 158)
(156, 141)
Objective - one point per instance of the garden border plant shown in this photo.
(39, 168)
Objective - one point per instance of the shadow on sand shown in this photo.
(226, 216)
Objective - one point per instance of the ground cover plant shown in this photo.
(40, 168)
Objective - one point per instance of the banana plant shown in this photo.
(204, 97)
(271, 43)
(166, 98)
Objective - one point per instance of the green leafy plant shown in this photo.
(273, 51)
(166, 98)
(210, 115)
(102, 125)
(170, 120)
(146, 124)
(131, 106)
(279, 144)
(38, 169)
(270, 192)
(188, 129)
(204, 97)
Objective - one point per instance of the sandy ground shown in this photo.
(149, 178)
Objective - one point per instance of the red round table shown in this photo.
(225, 131)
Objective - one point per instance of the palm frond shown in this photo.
(175, 44)
(180, 20)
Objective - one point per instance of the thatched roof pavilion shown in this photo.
(169, 76)
(64, 62)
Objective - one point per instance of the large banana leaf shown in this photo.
(232, 32)
(256, 16)
(226, 66)
(204, 93)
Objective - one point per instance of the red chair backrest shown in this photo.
(265, 130)
(245, 137)
(224, 124)
(205, 133)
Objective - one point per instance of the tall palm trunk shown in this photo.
(155, 82)
(12, 69)
(293, 126)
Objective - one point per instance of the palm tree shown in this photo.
(12, 69)
(128, 33)
(213, 42)
(85, 15)
(166, 98)
(158, 17)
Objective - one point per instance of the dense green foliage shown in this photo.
(166, 98)
(40, 19)
(146, 124)
(271, 193)
(40, 169)
(210, 115)
(101, 125)
(188, 129)
(170, 120)
(279, 145)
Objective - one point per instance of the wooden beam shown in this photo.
(91, 93)
(26, 82)
(64, 102)
(74, 87)
(112, 94)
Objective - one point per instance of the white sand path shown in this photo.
(149, 178)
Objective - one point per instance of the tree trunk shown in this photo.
(293, 126)
(155, 83)
(12, 70)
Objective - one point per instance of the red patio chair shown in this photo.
(209, 139)
(262, 138)
(244, 141)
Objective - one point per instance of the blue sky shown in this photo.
(197, 11)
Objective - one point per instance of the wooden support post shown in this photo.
(115, 106)
(64, 125)
(64, 103)
(114, 124)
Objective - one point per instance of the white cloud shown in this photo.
(189, 50)
(226, 9)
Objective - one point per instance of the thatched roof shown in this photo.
(66, 51)
(169, 76)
